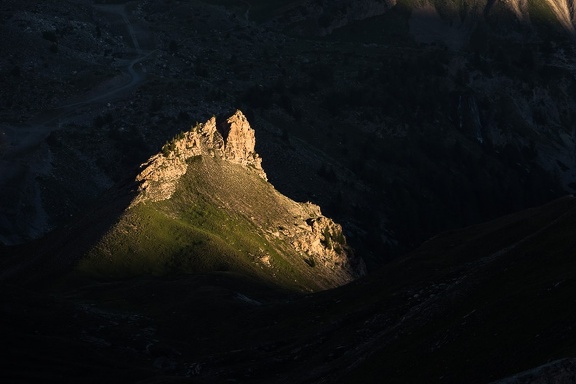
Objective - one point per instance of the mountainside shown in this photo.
(204, 205)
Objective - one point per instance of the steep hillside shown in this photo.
(204, 205)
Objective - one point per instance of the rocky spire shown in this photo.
(240, 141)
(288, 231)
(232, 140)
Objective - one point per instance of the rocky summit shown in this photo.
(233, 141)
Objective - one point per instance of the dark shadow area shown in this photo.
(58, 252)
(472, 290)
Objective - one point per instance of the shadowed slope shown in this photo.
(477, 304)
(473, 305)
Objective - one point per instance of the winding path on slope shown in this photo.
(40, 126)
(24, 159)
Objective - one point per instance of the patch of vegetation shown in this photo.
(50, 36)
(16, 71)
(168, 148)
(310, 261)
(170, 145)
(333, 240)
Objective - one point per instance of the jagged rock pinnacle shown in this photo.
(240, 141)
(232, 140)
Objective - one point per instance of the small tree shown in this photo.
(173, 46)
(50, 36)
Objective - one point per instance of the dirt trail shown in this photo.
(26, 138)
(25, 150)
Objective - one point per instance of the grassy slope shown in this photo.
(214, 222)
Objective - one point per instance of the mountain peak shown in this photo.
(232, 140)
(204, 204)
(239, 141)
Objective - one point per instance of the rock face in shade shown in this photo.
(232, 140)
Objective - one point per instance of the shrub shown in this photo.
(327, 242)
(310, 261)
(15, 71)
(168, 148)
(172, 46)
(50, 36)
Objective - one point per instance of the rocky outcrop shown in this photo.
(240, 219)
(323, 242)
(232, 141)
(240, 142)
(314, 244)
(320, 242)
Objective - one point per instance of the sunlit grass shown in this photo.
(204, 228)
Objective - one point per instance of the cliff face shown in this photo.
(239, 142)
(232, 141)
